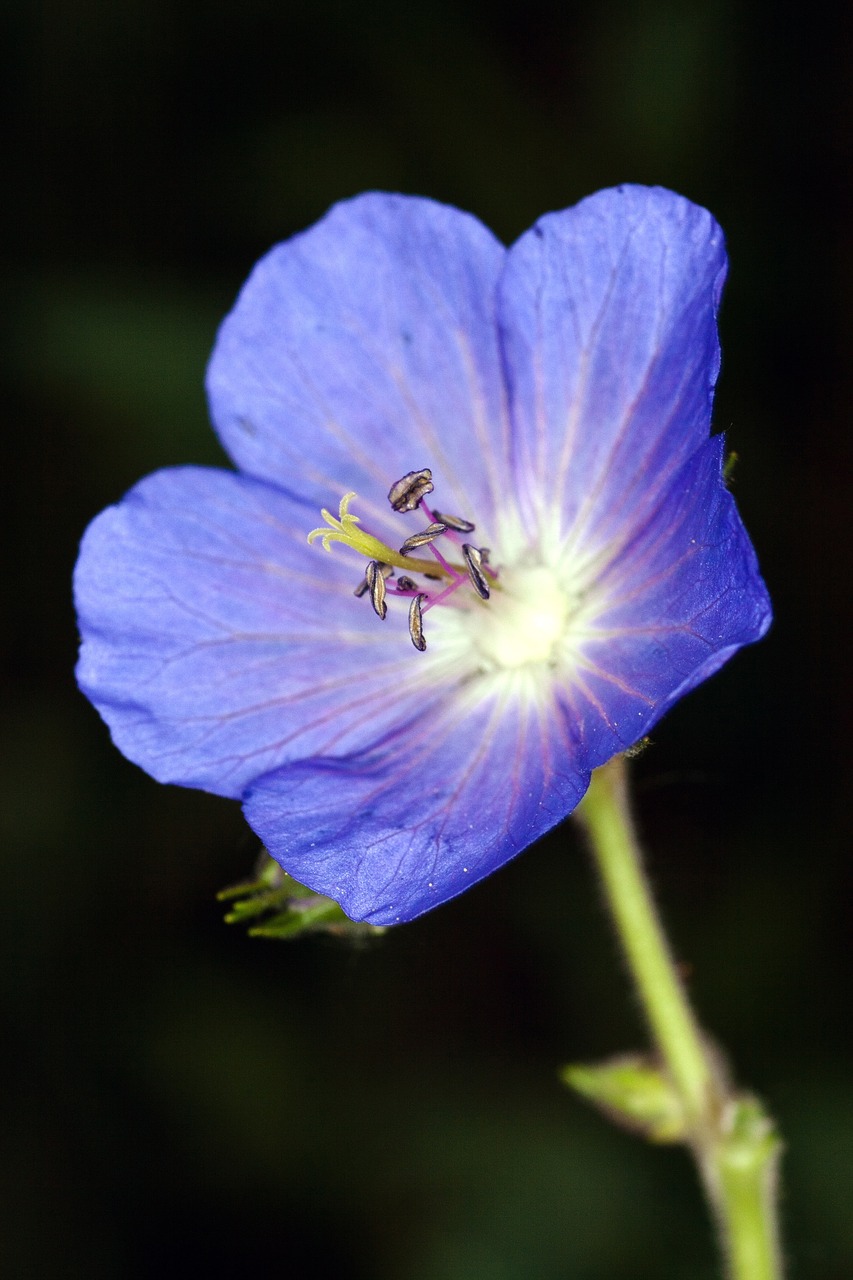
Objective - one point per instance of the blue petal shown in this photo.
(217, 644)
(425, 814)
(365, 348)
(682, 595)
(609, 316)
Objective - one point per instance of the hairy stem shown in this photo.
(732, 1139)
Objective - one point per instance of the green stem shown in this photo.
(732, 1139)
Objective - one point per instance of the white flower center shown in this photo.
(524, 627)
(512, 622)
(524, 621)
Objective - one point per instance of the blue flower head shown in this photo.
(527, 553)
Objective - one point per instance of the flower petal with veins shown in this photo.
(559, 392)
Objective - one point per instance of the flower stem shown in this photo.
(732, 1139)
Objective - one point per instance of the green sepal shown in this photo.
(750, 1140)
(291, 909)
(632, 1091)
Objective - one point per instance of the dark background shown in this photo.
(180, 1097)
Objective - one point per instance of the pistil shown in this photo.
(408, 494)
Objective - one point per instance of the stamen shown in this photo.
(455, 523)
(387, 572)
(376, 586)
(409, 494)
(429, 534)
(416, 625)
(406, 494)
(474, 564)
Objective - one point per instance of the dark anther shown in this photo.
(405, 583)
(429, 534)
(454, 523)
(376, 586)
(364, 586)
(474, 563)
(406, 494)
(416, 624)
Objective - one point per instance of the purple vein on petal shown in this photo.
(580, 412)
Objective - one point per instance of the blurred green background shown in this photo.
(181, 1098)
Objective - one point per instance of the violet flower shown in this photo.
(558, 394)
